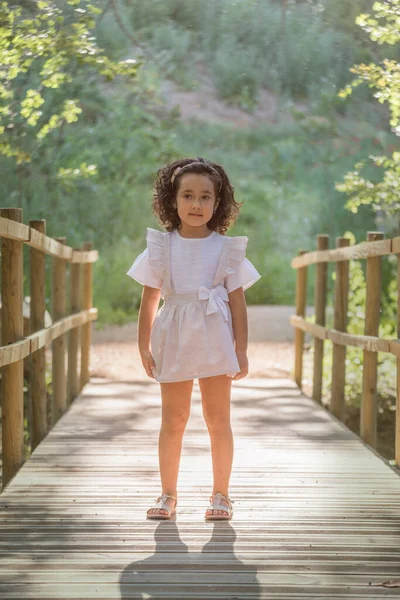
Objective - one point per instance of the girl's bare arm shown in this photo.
(147, 312)
(237, 302)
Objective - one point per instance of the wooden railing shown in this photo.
(66, 383)
(372, 251)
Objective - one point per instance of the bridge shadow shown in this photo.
(175, 572)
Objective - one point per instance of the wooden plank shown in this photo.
(62, 326)
(12, 330)
(82, 256)
(301, 297)
(356, 252)
(203, 576)
(368, 408)
(58, 346)
(10, 229)
(341, 300)
(396, 245)
(14, 352)
(86, 330)
(367, 342)
(317, 331)
(74, 335)
(320, 307)
(50, 246)
(395, 349)
(13, 230)
(38, 391)
(316, 513)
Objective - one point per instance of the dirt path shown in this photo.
(203, 103)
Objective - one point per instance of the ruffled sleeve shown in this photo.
(239, 271)
(148, 267)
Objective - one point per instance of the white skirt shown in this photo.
(193, 338)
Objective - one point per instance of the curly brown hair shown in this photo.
(165, 191)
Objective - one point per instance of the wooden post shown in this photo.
(301, 298)
(340, 324)
(12, 330)
(38, 364)
(368, 416)
(73, 340)
(397, 438)
(58, 345)
(86, 331)
(320, 305)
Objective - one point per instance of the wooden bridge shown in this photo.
(316, 512)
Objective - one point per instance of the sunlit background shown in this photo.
(252, 84)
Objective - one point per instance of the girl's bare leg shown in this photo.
(216, 402)
(176, 399)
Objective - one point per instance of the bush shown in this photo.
(249, 44)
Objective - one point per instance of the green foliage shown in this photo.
(92, 180)
(40, 50)
(389, 31)
(248, 45)
(171, 51)
(382, 195)
(342, 15)
(120, 302)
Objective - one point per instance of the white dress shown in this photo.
(192, 335)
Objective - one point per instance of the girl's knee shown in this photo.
(218, 423)
(175, 422)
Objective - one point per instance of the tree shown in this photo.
(384, 78)
(41, 48)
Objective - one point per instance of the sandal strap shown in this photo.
(218, 506)
(161, 503)
(165, 497)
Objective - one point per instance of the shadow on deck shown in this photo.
(316, 512)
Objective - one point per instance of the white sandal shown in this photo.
(215, 504)
(161, 504)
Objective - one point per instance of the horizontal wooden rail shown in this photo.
(23, 233)
(395, 347)
(356, 252)
(366, 342)
(372, 252)
(13, 230)
(31, 343)
(21, 341)
(317, 331)
(84, 257)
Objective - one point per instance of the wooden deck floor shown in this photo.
(317, 514)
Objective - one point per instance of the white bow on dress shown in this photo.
(216, 297)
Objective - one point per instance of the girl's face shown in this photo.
(195, 200)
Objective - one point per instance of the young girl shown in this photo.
(200, 332)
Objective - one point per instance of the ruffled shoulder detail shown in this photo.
(236, 254)
(156, 244)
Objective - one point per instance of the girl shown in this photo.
(200, 332)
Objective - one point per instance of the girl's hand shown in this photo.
(148, 362)
(243, 364)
